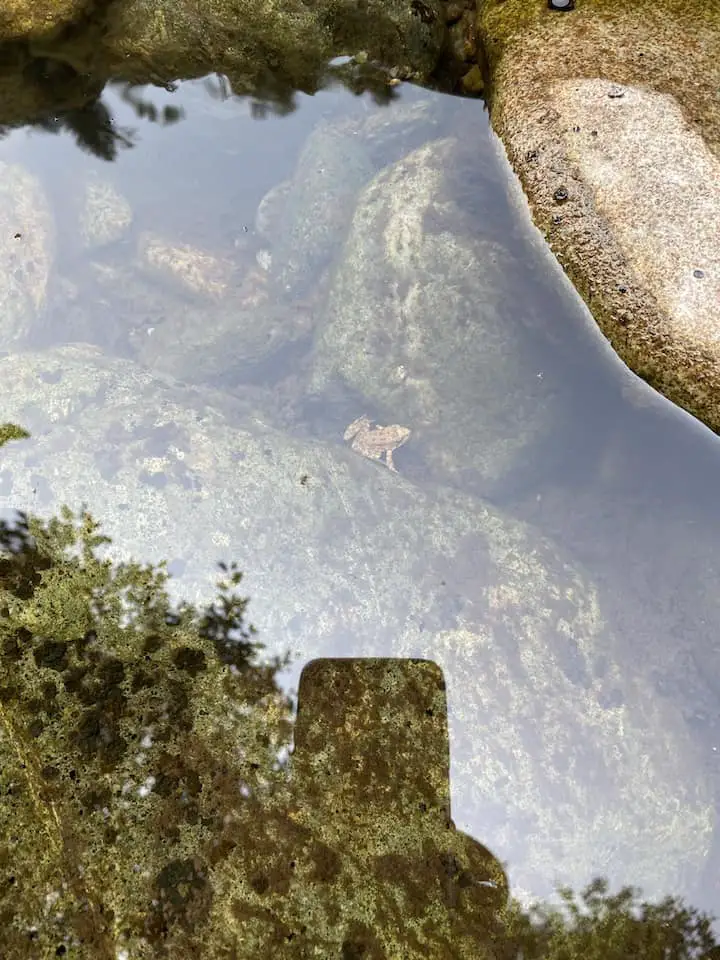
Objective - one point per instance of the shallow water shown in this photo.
(624, 485)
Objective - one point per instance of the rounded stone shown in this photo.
(105, 214)
(414, 290)
(26, 242)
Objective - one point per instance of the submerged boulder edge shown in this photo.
(610, 118)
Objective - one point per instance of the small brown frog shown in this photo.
(376, 442)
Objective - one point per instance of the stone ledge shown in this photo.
(631, 210)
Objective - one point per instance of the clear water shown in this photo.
(623, 484)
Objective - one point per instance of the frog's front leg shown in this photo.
(389, 461)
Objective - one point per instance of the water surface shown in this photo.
(534, 422)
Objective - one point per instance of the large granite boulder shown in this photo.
(610, 117)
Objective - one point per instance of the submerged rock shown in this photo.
(564, 761)
(226, 345)
(423, 322)
(219, 322)
(26, 252)
(113, 306)
(307, 218)
(105, 214)
(197, 271)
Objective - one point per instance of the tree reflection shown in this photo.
(136, 734)
(146, 109)
(599, 925)
(149, 809)
(93, 129)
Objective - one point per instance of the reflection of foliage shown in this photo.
(356, 75)
(130, 730)
(146, 808)
(9, 431)
(598, 925)
(93, 128)
(219, 87)
(360, 77)
(147, 110)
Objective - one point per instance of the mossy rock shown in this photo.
(35, 19)
(105, 214)
(275, 49)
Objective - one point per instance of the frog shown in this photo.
(376, 442)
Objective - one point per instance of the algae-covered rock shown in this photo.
(305, 219)
(387, 135)
(540, 731)
(560, 747)
(224, 345)
(26, 241)
(105, 214)
(422, 320)
(196, 270)
(273, 49)
(114, 306)
(30, 19)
